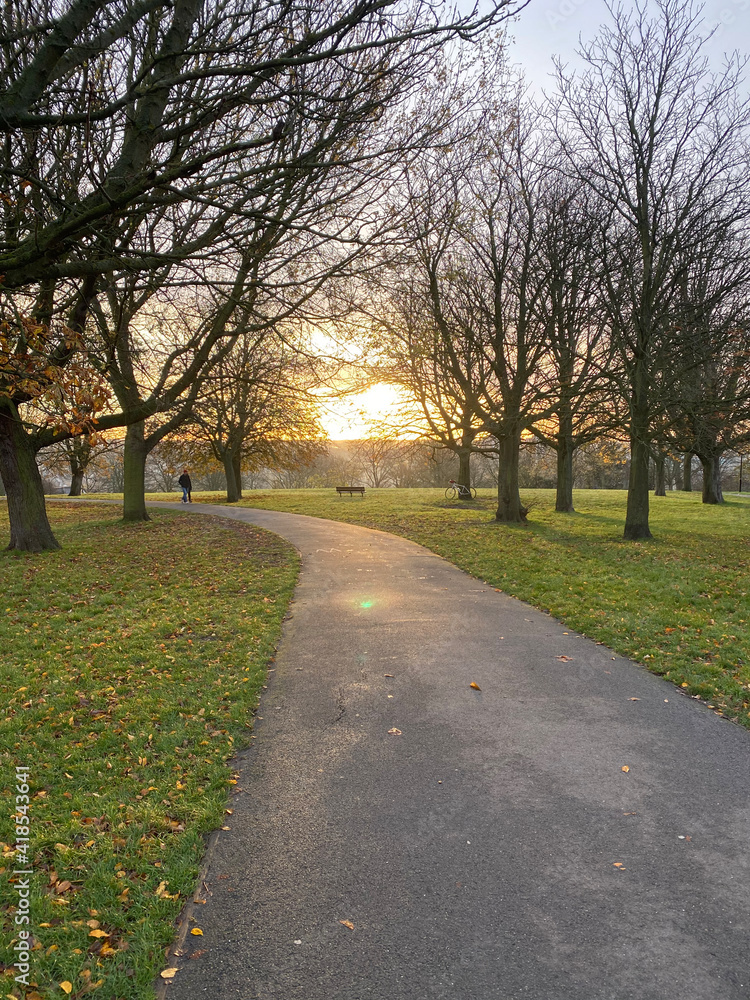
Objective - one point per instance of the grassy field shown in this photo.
(132, 661)
(134, 657)
(678, 603)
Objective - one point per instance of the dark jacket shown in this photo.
(184, 481)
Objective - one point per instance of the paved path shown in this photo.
(496, 848)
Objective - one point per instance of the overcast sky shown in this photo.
(552, 27)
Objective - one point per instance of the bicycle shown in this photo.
(456, 491)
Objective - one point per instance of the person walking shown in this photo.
(187, 487)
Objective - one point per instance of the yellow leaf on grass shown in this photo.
(197, 931)
(98, 934)
(347, 923)
(66, 987)
(475, 686)
(169, 973)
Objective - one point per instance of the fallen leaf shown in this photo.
(347, 923)
(625, 768)
(389, 675)
(98, 934)
(394, 732)
(634, 699)
(475, 686)
(564, 658)
(66, 987)
(169, 973)
(197, 931)
(619, 865)
(197, 954)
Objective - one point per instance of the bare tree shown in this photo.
(484, 277)
(253, 403)
(708, 412)
(75, 456)
(578, 368)
(663, 143)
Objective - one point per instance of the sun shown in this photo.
(362, 414)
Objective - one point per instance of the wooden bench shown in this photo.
(351, 490)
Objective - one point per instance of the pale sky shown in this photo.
(552, 27)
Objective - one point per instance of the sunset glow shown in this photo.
(361, 415)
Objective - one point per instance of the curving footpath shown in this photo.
(575, 830)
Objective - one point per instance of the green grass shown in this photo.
(132, 661)
(678, 603)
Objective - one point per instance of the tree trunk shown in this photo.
(30, 530)
(234, 492)
(687, 472)
(564, 495)
(509, 507)
(134, 473)
(76, 481)
(464, 472)
(237, 463)
(660, 486)
(636, 518)
(712, 491)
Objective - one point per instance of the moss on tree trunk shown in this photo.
(564, 492)
(134, 473)
(30, 529)
(636, 517)
(510, 510)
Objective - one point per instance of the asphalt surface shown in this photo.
(575, 830)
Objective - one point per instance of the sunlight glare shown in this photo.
(361, 415)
